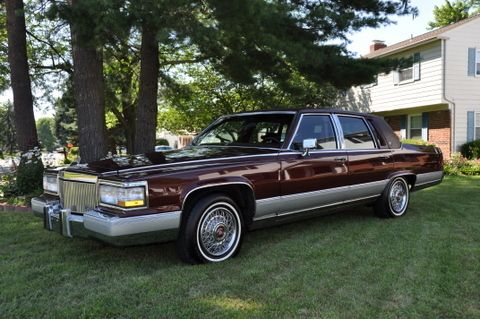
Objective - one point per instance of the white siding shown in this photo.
(463, 90)
(386, 96)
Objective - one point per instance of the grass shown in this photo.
(348, 265)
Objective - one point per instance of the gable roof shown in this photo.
(420, 39)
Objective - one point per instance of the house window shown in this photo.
(415, 126)
(477, 125)
(405, 74)
(477, 64)
(409, 74)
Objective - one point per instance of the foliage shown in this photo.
(66, 116)
(162, 141)
(8, 186)
(459, 165)
(451, 12)
(4, 69)
(45, 128)
(471, 150)
(206, 94)
(261, 44)
(346, 265)
(416, 142)
(30, 172)
(10, 194)
(7, 129)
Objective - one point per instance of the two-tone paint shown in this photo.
(268, 183)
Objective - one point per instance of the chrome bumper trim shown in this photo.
(116, 226)
(113, 229)
(38, 204)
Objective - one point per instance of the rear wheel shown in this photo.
(212, 231)
(394, 200)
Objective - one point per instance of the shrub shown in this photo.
(471, 150)
(30, 172)
(8, 186)
(416, 142)
(459, 165)
(162, 141)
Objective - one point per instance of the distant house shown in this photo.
(436, 98)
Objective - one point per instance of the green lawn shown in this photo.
(349, 265)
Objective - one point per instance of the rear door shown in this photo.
(368, 164)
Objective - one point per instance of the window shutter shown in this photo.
(471, 61)
(403, 126)
(396, 79)
(416, 66)
(470, 126)
(425, 126)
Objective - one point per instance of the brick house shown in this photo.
(437, 97)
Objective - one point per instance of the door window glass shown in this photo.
(356, 133)
(318, 127)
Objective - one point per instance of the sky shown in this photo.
(405, 27)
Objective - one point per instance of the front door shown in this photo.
(316, 179)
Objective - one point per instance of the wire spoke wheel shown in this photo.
(218, 231)
(398, 197)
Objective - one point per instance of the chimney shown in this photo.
(377, 45)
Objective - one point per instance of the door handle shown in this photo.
(340, 159)
(385, 157)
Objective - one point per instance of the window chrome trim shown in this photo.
(376, 147)
(339, 131)
(143, 184)
(240, 146)
(299, 122)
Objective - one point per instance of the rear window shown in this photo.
(386, 131)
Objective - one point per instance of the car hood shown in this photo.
(182, 156)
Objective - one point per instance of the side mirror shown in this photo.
(308, 144)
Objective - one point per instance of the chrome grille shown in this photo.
(77, 195)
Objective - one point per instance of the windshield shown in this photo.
(265, 130)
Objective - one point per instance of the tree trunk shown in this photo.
(20, 79)
(146, 110)
(89, 95)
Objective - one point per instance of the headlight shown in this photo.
(126, 196)
(50, 183)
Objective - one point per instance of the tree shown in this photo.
(206, 95)
(45, 128)
(3, 49)
(146, 111)
(452, 12)
(66, 116)
(88, 84)
(7, 129)
(248, 39)
(20, 79)
(260, 50)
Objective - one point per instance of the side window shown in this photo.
(356, 133)
(317, 127)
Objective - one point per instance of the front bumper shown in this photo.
(108, 228)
